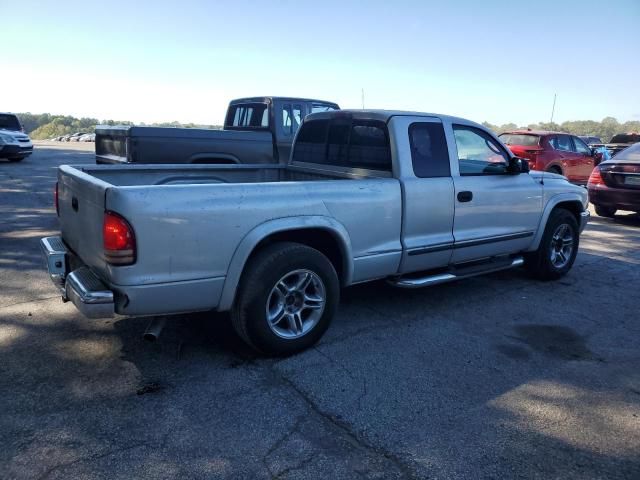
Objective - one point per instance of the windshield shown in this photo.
(631, 154)
(520, 139)
(626, 138)
(9, 122)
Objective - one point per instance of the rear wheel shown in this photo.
(286, 299)
(558, 248)
(603, 211)
(554, 170)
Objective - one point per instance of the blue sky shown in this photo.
(155, 61)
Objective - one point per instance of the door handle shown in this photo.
(465, 196)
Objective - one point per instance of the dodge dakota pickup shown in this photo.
(256, 130)
(414, 198)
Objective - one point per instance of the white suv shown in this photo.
(14, 143)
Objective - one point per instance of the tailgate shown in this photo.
(112, 144)
(81, 202)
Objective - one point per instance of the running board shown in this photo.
(419, 282)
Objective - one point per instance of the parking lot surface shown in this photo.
(497, 376)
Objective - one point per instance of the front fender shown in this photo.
(248, 244)
(553, 202)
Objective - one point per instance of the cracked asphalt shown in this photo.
(493, 377)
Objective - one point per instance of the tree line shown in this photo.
(44, 125)
(604, 129)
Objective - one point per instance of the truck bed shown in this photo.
(141, 175)
(190, 219)
(166, 145)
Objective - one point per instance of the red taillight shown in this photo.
(118, 239)
(55, 200)
(596, 177)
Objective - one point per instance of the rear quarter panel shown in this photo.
(188, 232)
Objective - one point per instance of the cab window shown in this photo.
(342, 142)
(478, 152)
(291, 118)
(429, 153)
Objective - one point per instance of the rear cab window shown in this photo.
(344, 143)
(248, 115)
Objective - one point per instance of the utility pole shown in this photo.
(553, 109)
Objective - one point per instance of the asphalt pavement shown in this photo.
(497, 376)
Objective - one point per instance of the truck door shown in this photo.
(427, 192)
(496, 212)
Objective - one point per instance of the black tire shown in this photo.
(261, 275)
(16, 159)
(603, 211)
(539, 263)
(555, 170)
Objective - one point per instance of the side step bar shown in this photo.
(428, 280)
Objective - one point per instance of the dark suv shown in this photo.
(555, 152)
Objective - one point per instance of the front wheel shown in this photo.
(558, 248)
(286, 299)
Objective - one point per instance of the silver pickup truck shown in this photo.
(414, 198)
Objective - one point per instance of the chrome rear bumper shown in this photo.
(82, 287)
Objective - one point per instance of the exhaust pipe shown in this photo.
(154, 329)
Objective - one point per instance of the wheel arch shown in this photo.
(569, 201)
(555, 166)
(324, 234)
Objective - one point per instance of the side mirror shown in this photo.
(518, 165)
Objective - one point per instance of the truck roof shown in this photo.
(386, 115)
(269, 99)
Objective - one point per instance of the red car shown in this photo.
(553, 152)
(615, 184)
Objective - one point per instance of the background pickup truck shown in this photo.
(256, 130)
(417, 199)
(621, 141)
